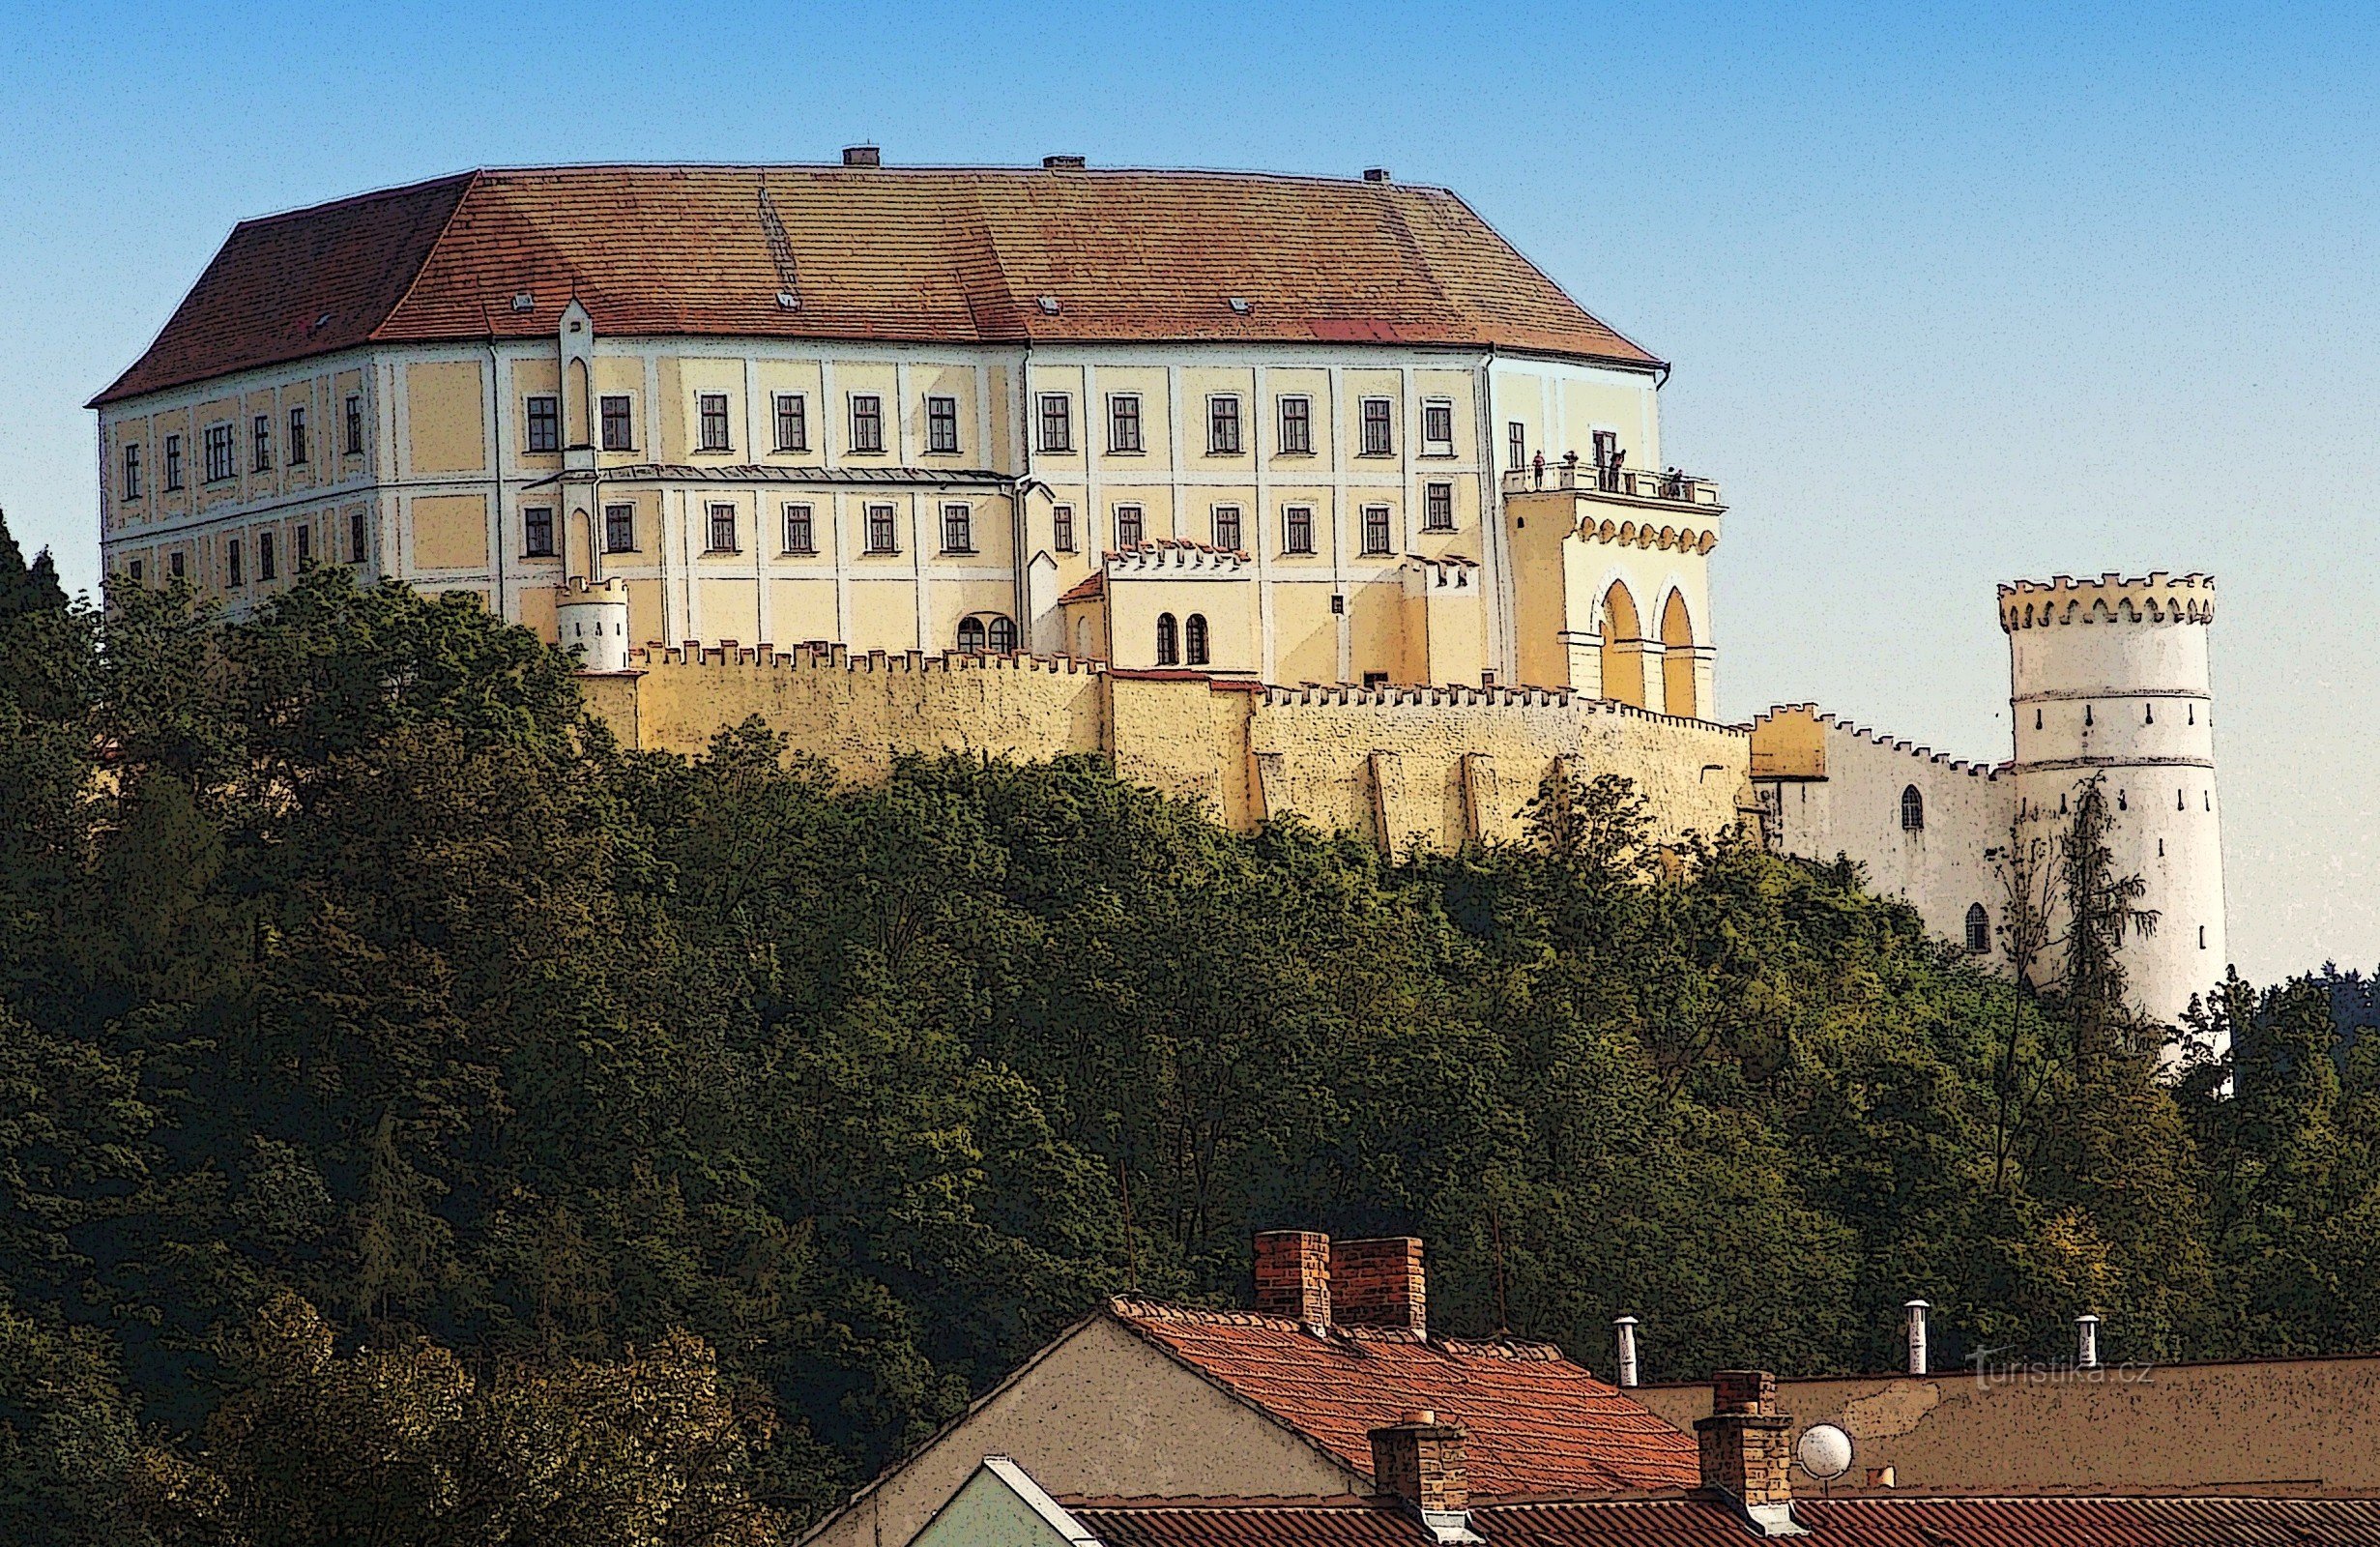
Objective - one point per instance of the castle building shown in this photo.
(1290, 429)
(1287, 494)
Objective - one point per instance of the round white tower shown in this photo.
(2108, 678)
(592, 620)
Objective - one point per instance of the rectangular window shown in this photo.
(722, 529)
(231, 563)
(619, 432)
(174, 564)
(218, 452)
(941, 423)
(132, 472)
(1061, 527)
(1227, 526)
(1223, 425)
(1124, 422)
(538, 531)
(296, 437)
(173, 462)
(1296, 427)
(266, 568)
(958, 530)
(801, 535)
(355, 537)
(305, 545)
(545, 423)
(1375, 529)
(1515, 446)
(710, 409)
(793, 419)
(260, 443)
(1437, 427)
(1438, 508)
(355, 425)
(1298, 529)
(880, 529)
(136, 570)
(1376, 439)
(1128, 529)
(619, 529)
(1057, 421)
(867, 423)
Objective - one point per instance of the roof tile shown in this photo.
(927, 256)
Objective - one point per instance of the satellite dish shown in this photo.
(1824, 1451)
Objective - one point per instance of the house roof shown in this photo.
(1091, 588)
(1705, 1519)
(1533, 1421)
(940, 255)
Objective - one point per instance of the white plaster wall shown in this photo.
(1941, 869)
(2129, 702)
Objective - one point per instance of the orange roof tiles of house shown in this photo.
(942, 255)
(1533, 1421)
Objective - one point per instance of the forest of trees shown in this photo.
(423, 1119)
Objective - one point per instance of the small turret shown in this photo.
(593, 621)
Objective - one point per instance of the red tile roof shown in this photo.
(1534, 1423)
(1704, 1520)
(932, 256)
(1091, 588)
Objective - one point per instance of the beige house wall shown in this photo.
(2308, 1423)
(1100, 1413)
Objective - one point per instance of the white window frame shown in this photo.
(1140, 426)
(1438, 445)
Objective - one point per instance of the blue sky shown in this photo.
(1953, 296)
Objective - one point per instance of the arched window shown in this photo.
(1979, 930)
(1194, 640)
(1677, 660)
(971, 634)
(1000, 634)
(1167, 651)
(1912, 810)
(1623, 657)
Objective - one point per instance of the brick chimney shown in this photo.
(1745, 1451)
(1293, 1276)
(1420, 1461)
(1380, 1283)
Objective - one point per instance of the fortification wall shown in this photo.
(1848, 801)
(857, 712)
(1403, 767)
(1437, 765)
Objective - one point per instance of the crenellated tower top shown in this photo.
(2154, 598)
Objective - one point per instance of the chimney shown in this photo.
(1917, 1354)
(1624, 1328)
(1293, 1276)
(1745, 1451)
(862, 156)
(1420, 1461)
(1380, 1283)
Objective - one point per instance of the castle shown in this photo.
(1290, 495)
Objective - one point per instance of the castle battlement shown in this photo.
(819, 655)
(1343, 695)
(2154, 598)
(1779, 753)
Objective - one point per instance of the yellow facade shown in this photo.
(1366, 514)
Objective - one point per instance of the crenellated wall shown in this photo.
(1433, 767)
(1832, 788)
